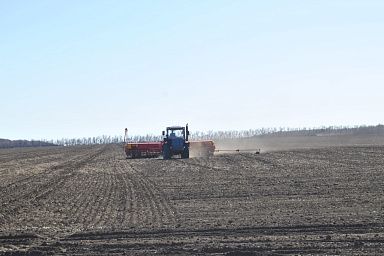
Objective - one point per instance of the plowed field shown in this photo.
(91, 200)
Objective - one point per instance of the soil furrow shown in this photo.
(160, 206)
(30, 194)
(93, 201)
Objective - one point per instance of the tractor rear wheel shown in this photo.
(166, 152)
(185, 153)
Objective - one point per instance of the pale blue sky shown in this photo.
(85, 68)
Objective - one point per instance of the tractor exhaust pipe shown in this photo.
(126, 135)
(187, 132)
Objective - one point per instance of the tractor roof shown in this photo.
(175, 128)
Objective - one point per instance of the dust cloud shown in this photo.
(284, 143)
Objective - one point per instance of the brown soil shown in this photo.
(91, 200)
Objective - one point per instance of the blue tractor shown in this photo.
(175, 142)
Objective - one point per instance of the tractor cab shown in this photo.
(175, 142)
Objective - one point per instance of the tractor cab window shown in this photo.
(176, 133)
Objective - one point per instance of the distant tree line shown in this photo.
(217, 135)
(103, 139)
(210, 135)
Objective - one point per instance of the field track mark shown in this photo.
(90, 216)
(283, 240)
(128, 214)
(197, 163)
(38, 187)
(229, 160)
(123, 198)
(162, 212)
(147, 207)
(76, 199)
(261, 159)
(366, 228)
(79, 159)
(104, 209)
(86, 199)
(6, 158)
(76, 158)
(167, 211)
(114, 206)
